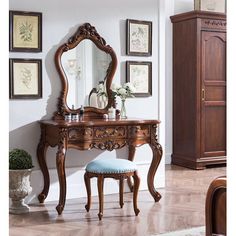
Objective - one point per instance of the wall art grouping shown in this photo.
(25, 34)
(139, 43)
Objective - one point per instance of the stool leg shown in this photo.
(100, 195)
(136, 188)
(88, 188)
(121, 192)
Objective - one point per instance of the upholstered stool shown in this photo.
(113, 168)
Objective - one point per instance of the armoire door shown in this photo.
(213, 97)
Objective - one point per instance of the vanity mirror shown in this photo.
(85, 63)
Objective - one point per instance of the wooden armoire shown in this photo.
(199, 89)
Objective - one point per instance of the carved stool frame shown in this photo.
(100, 183)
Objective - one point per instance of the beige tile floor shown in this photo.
(182, 206)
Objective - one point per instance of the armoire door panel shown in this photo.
(215, 93)
(213, 109)
(215, 129)
(214, 51)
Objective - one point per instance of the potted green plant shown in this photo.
(20, 167)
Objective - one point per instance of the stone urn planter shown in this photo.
(20, 164)
(19, 188)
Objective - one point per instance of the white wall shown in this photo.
(172, 8)
(181, 6)
(60, 20)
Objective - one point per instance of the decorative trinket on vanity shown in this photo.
(111, 113)
(67, 117)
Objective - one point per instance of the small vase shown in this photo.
(123, 110)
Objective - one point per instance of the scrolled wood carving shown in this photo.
(108, 144)
(214, 23)
(154, 140)
(88, 31)
(104, 132)
(62, 141)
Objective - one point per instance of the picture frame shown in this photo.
(139, 73)
(138, 38)
(25, 78)
(210, 5)
(25, 31)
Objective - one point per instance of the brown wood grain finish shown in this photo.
(215, 207)
(100, 134)
(41, 152)
(121, 193)
(199, 89)
(100, 184)
(213, 115)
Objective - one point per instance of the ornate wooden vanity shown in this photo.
(92, 130)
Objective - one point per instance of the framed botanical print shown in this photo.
(25, 78)
(25, 31)
(140, 75)
(138, 38)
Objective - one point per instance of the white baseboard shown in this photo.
(76, 187)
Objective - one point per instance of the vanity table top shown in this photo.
(99, 122)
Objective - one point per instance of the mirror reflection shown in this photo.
(86, 68)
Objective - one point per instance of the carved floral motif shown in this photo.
(104, 132)
(89, 31)
(62, 141)
(108, 144)
(154, 140)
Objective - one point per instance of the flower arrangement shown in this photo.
(102, 95)
(124, 91)
(101, 90)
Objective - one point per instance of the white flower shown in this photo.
(115, 86)
(122, 91)
(130, 87)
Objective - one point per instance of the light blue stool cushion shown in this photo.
(111, 166)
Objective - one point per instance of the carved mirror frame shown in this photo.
(85, 31)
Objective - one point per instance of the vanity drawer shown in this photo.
(80, 133)
(110, 132)
(139, 131)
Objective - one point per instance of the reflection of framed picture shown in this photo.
(210, 5)
(25, 78)
(25, 31)
(140, 75)
(139, 38)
